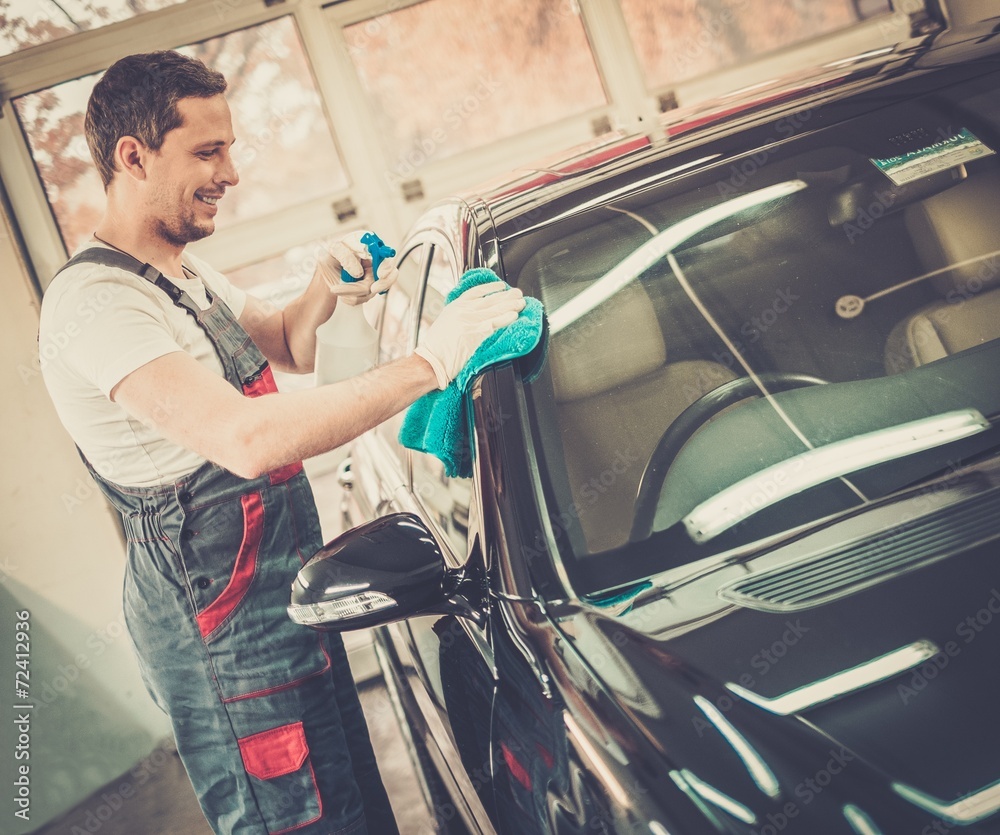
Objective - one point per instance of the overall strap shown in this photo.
(123, 261)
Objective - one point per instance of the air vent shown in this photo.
(833, 573)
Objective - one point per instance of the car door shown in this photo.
(454, 679)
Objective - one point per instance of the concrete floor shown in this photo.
(166, 804)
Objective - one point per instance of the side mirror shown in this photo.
(383, 571)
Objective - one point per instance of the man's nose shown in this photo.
(228, 175)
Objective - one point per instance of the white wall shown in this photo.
(62, 559)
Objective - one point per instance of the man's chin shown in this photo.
(188, 233)
(199, 232)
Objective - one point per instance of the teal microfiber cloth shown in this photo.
(441, 422)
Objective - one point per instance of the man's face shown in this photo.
(191, 171)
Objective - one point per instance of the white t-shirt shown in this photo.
(99, 324)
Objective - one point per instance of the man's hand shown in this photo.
(464, 323)
(353, 256)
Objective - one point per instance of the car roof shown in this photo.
(532, 197)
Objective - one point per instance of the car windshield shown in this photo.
(765, 340)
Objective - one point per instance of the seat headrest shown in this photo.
(956, 225)
(615, 343)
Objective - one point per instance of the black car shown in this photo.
(729, 559)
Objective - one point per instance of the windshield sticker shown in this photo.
(949, 152)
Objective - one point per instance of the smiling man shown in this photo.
(160, 385)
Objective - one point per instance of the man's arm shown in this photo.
(287, 337)
(250, 436)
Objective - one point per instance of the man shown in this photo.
(161, 388)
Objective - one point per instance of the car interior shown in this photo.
(955, 227)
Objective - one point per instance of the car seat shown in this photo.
(616, 394)
(955, 226)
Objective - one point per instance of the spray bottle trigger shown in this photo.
(379, 252)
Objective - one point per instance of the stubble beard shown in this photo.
(181, 231)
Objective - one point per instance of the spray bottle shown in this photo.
(346, 344)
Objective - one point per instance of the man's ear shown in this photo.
(130, 154)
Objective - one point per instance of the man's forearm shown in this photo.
(196, 409)
(275, 430)
(300, 318)
(288, 337)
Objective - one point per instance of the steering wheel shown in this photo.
(687, 423)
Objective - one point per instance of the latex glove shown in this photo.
(464, 323)
(352, 255)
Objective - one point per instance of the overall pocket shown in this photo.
(241, 575)
(241, 557)
(281, 774)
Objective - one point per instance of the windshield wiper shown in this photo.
(816, 466)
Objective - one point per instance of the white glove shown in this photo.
(463, 324)
(352, 255)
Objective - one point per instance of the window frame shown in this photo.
(432, 243)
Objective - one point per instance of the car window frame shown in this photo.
(453, 558)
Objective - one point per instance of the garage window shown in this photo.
(283, 142)
(693, 39)
(532, 66)
(25, 23)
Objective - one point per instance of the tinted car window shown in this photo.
(850, 278)
(446, 499)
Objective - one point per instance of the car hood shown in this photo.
(894, 672)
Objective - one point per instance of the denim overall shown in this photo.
(264, 711)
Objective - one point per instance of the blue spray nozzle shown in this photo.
(379, 251)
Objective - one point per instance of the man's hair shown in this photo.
(138, 97)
